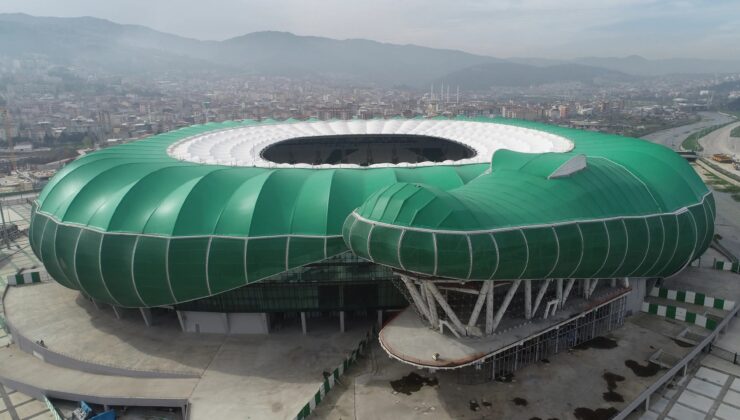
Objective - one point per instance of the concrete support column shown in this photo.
(489, 309)
(181, 319)
(225, 321)
(528, 299)
(416, 297)
(505, 304)
(566, 292)
(540, 295)
(447, 309)
(146, 313)
(559, 291)
(592, 288)
(433, 316)
(479, 304)
(117, 311)
(266, 321)
(303, 323)
(341, 321)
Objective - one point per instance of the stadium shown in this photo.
(498, 242)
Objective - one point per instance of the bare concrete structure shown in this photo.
(88, 354)
(494, 328)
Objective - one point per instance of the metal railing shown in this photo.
(644, 397)
(730, 356)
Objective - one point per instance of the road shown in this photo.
(727, 222)
(719, 141)
(673, 137)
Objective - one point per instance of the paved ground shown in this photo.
(673, 137)
(420, 346)
(707, 394)
(19, 366)
(571, 384)
(49, 312)
(17, 406)
(260, 376)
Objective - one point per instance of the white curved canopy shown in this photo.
(243, 146)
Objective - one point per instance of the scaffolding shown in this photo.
(585, 327)
(477, 308)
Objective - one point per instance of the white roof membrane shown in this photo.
(243, 146)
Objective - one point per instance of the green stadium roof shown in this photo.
(134, 226)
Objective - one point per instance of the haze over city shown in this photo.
(510, 28)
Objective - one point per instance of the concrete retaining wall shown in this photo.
(224, 323)
(61, 360)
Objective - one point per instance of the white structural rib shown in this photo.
(208, 259)
(370, 235)
(133, 275)
(349, 233)
(706, 212)
(583, 249)
(398, 249)
(498, 256)
(43, 233)
(626, 249)
(436, 258)
(557, 252)
(696, 243)
(167, 270)
(287, 254)
(246, 271)
(470, 252)
(54, 247)
(675, 247)
(526, 246)
(662, 247)
(644, 254)
(100, 268)
(608, 250)
(74, 265)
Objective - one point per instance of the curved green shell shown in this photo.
(637, 209)
(131, 226)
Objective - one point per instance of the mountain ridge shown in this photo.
(107, 46)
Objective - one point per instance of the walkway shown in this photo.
(15, 405)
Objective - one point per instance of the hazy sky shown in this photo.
(503, 28)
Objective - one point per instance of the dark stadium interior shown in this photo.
(366, 149)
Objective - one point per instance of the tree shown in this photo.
(87, 142)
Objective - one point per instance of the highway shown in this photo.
(673, 137)
(719, 141)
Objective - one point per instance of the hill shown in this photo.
(101, 45)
